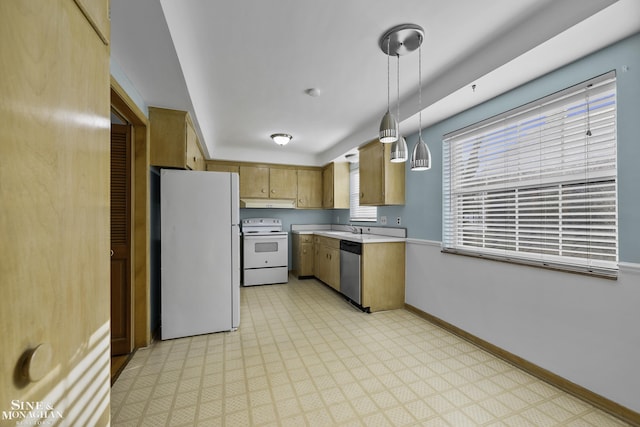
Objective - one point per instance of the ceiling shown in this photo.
(242, 67)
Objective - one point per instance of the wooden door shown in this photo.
(306, 259)
(371, 174)
(120, 239)
(283, 183)
(254, 181)
(309, 188)
(54, 213)
(327, 186)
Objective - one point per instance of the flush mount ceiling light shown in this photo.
(281, 138)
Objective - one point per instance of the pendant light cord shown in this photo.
(398, 108)
(420, 90)
(388, 74)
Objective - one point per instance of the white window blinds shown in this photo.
(538, 184)
(357, 212)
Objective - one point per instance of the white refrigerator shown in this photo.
(200, 253)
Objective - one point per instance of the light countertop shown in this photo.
(348, 235)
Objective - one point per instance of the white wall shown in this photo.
(585, 329)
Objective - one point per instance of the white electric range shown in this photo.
(265, 252)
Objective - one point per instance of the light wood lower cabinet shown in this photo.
(383, 275)
(303, 255)
(327, 261)
(382, 268)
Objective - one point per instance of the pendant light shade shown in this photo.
(421, 156)
(388, 125)
(388, 128)
(399, 151)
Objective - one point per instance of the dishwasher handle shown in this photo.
(352, 247)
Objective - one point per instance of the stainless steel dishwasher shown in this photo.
(350, 283)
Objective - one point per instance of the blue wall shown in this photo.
(422, 214)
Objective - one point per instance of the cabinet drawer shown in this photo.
(327, 241)
(306, 238)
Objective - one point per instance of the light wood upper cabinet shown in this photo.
(283, 183)
(254, 181)
(264, 182)
(335, 186)
(174, 142)
(309, 188)
(222, 167)
(381, 182)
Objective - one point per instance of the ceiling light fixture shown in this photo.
(388, 125)
(421, 156)
(281, 138)
(400, 40)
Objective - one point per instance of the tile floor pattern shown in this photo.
(304, 356)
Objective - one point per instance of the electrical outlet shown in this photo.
(383, 220)
(338, 219)
(398, 221)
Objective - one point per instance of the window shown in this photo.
(538, 184)
(357, 212)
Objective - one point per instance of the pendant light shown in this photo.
(397, 41)
(399, 147)
(388, 125)
(421, 156)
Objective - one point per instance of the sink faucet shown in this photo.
(355, 229)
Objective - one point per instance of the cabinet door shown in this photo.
(215, 167)
(283, 183)
(309, 188)
(333, 268)
(306, 259)
(193, 152)
(254, 181)
(327, 186)
(372, 174)
(317, 260)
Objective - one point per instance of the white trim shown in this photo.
(424, 242)
(631, 267)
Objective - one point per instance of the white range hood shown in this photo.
(268, 203)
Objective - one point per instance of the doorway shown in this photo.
(134, 266)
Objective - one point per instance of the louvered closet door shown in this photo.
(120, 240)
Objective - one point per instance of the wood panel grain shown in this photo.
(54, 187)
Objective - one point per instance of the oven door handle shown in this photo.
(264, 237)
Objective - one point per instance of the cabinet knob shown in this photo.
(263, 191)
(273, 191)
(37, 362)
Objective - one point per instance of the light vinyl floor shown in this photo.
(304, 356)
